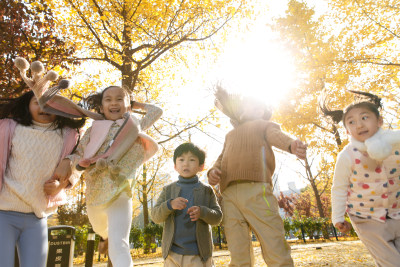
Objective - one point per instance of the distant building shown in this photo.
(292, 189)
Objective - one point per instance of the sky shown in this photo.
(252, 63)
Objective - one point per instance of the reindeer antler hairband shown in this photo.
(47, 97)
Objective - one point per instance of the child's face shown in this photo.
(38, 114)
(251, 111)
(361, 123)
(187, 165)
(115, 103)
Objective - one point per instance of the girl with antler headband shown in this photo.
(109, 153)
(33, 145)
(366, 182)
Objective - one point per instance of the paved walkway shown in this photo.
(221, 253)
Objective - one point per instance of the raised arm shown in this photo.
(275, 137)
(153, 113)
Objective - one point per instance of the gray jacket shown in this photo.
(210, 214)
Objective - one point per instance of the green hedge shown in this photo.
(312, 227)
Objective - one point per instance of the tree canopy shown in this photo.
(28, 30)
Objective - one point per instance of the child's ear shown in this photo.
(201, 167)
(175, 167)
(101, 110)
(380, 121)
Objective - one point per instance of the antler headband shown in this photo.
(47, 97)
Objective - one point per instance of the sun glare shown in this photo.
(257, 66)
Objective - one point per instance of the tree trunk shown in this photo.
(147, 238)
(317, 196)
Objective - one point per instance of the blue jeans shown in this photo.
(28, 233)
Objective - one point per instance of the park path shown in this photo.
(342, 253)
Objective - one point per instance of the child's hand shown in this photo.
(138, 105)
(194, 213)
(178, 203)
(299, 149)
(52, 187)
(343, 227)
(63, 171)
(214, 176)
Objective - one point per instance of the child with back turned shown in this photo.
(187, 207)
(366, 180)
(243, 171)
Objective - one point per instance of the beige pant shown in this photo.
(381, 239)
(252, 206)
(177, 260)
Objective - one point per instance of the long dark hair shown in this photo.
(18, 110)
(93, 101)
(363, 100)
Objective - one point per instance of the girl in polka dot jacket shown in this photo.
(366, 181)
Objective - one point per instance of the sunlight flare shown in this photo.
(258, 66)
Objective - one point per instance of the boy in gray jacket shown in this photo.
(187, 207)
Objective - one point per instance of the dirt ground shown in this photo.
(347, 253)
(343, 254)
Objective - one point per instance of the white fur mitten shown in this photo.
(380, 145)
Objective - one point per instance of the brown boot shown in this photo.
(103, 246)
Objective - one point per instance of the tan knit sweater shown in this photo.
(247, 153)
(35, 153)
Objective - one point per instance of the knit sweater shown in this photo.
(247, 153)
(35, 154)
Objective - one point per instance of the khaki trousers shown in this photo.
(381, 239)
(252, 206)
(177, 260)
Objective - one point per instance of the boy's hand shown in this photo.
(343, 227)
(194, 213)
(299, 149)
(63, 171)
(214, 176)
(178, 203)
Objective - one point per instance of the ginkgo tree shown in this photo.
(132, 35)
(143, 43)
(351, 45)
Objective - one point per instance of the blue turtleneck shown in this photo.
(185, 230)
